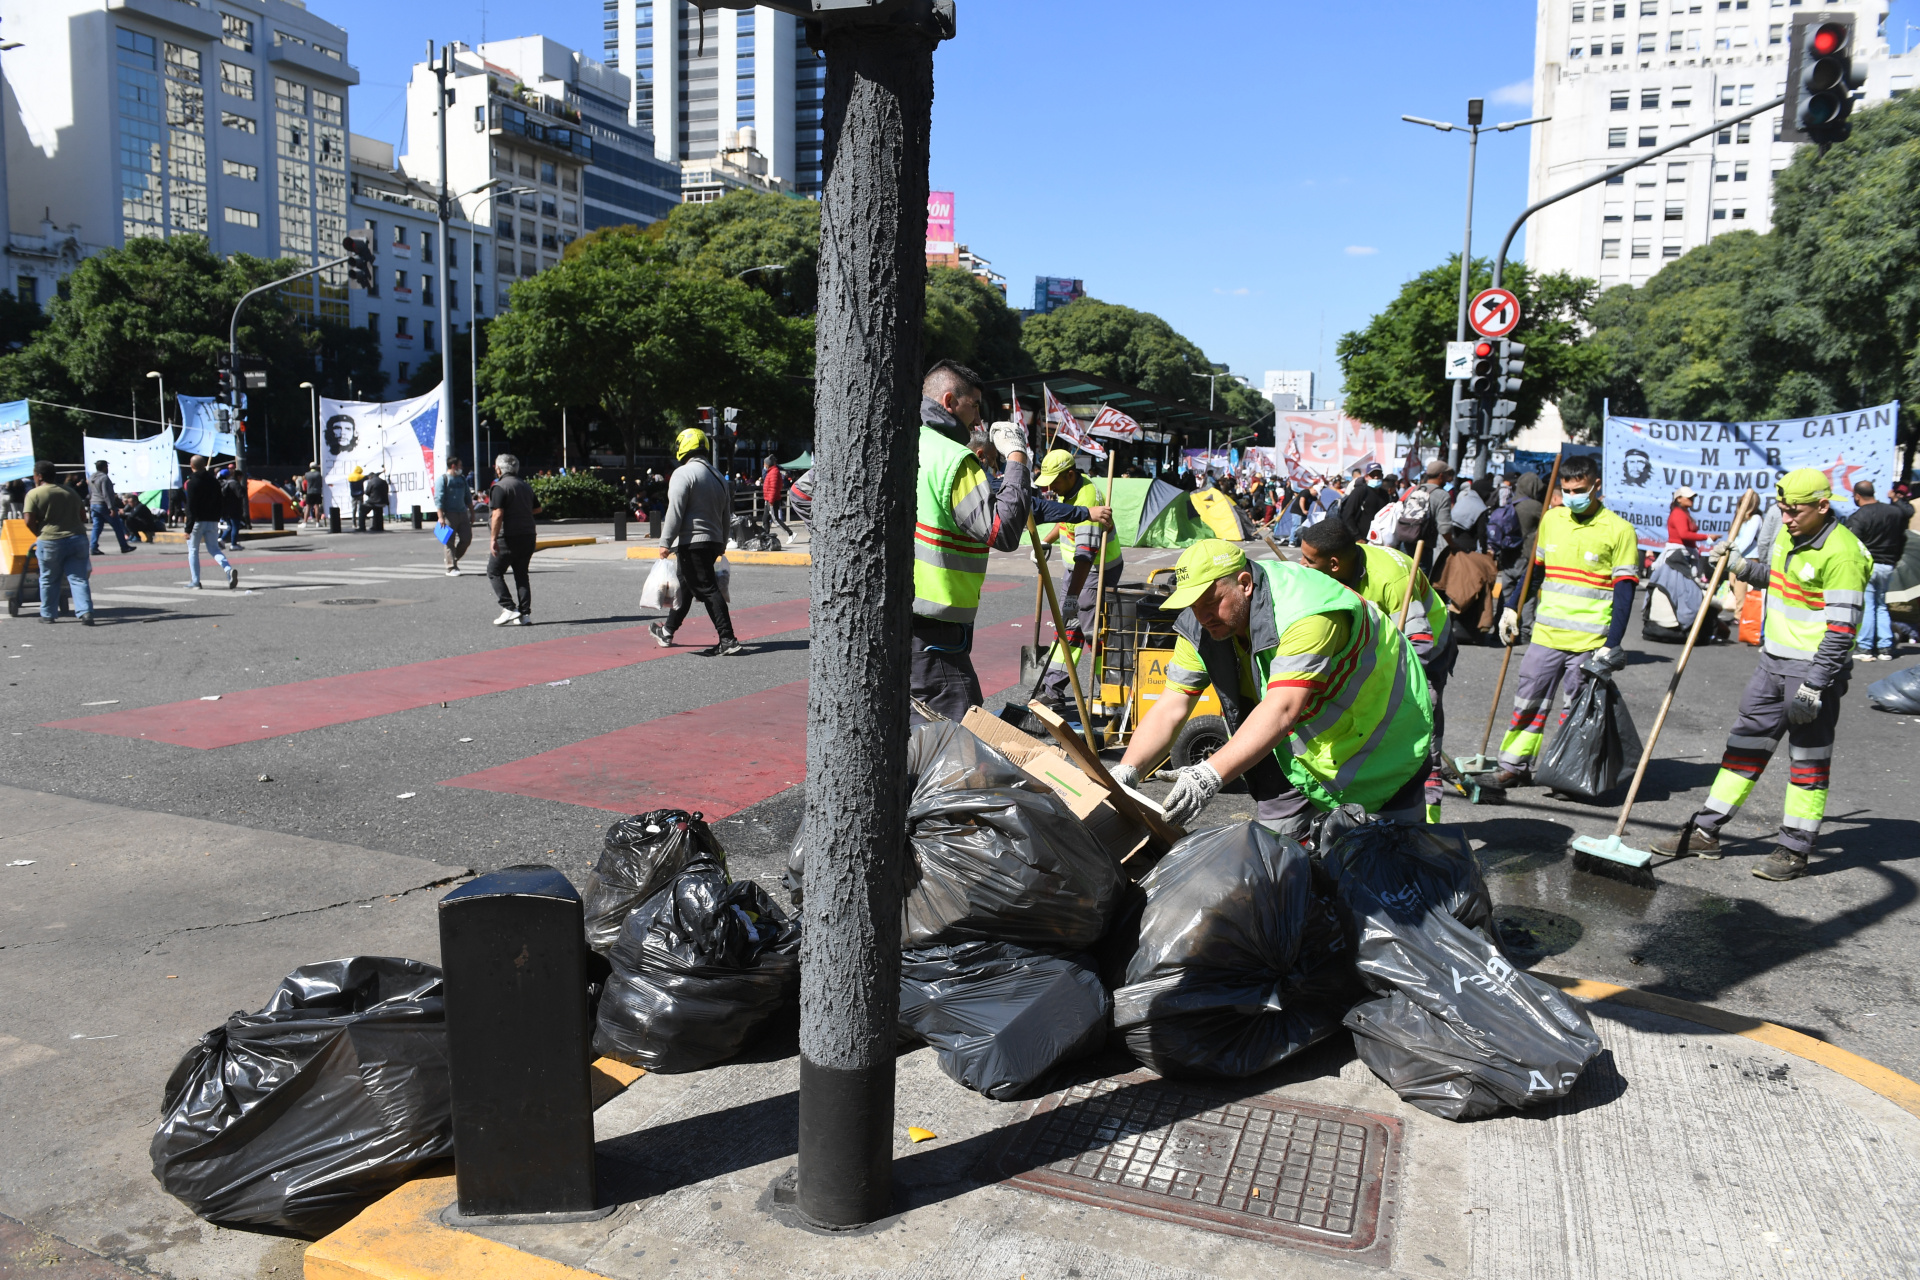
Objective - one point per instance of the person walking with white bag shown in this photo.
(699, 509)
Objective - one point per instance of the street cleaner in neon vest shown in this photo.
(1326, 702)
(958, 518)
(1815, 575)
(1386, 577)
(1059, 477)
(1591, 561)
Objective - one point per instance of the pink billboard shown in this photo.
(939, 221)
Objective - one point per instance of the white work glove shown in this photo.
(1509, 626)
(1193, 786)
(1804, 707)
(1044, 554)
(1070, 609)
(1604, 662)
(1125, 774)
(1736, 563)
(1008, 440)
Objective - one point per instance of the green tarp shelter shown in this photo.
(802, 463)
(1153, 513)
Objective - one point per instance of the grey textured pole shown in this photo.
(879, 100)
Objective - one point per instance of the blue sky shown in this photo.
(1240, 168)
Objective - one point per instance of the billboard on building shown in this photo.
(942, 251)
(1050, 293)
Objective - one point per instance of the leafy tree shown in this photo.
(747, 229)
(621, 333)
(1135, 347)
(967, 320)
(1394, 368)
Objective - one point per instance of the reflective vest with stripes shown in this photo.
(1576, 597)
(949, 565)
(1802, 584)
(1386, 583)
(1364, 732)
(1088, 496)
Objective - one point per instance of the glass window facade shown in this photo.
(142, 135)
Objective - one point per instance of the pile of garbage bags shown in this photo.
(334, 1093)
(640, 856)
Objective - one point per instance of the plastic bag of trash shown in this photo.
(1001, 1017)
(723, 574)
(698, 970)
(640, 856)
(997, 857)
(1458, 1030)
(1899, 692)
(330, 1096)
(1596, 748)
(662, 587)
(1241, 964)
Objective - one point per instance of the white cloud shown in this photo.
(1361, 250)
(1517, 94)
(1241, 292)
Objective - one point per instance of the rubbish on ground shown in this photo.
(299, 1115)
(555, 684)
(997, 857)
(104, 702)
(917, 1134)
(209, 697)
(639, 857)
(1240, 964)
(698, 970)
(1458, 1030)
(662, 585)
(466, 739)
(1596, 748)
(406, 795)
(81, 1035)
(1899, 692)
(266, 778)
(23, 862)
(1001, 1017)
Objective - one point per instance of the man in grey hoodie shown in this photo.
(699, 511)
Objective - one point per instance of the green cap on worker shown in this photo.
(1056, 464)
(1808, 484)
(1200, 566)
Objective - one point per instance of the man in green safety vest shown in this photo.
(1815, 575)
(1326, 701)
(958, 518)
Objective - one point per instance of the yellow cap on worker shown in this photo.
(1056, 464)
(1808, 484)
(692, 440)
(1201, 565)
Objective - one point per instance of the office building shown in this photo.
(699, 77)
(1624, 75)
(1297, 383)
(153, 118)
(740, 166)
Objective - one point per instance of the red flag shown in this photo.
(1115, 425)
(1068, 428)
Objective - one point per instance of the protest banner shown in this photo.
(135, 465)
(16, 441)
(405, 440)
(200, 429)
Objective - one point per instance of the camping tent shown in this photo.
(802, 463)
(1221, 516)
(1152, 513)
(262, 494)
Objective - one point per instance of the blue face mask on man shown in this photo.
(1373, 482)
(1578, 502)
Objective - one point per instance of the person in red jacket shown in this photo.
(773, 487)
(1681, 530)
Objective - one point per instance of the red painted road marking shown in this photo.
(285, 557)
(316, 704)
(716, 760)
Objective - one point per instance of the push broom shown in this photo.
(1609, 856)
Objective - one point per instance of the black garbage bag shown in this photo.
(1596, 749)
(1001, 1017)
(1459, 1030)
(698, 970)
(1899, 692)
(330, 1096)
(997, 857)
(1240, 963)
(640, 857)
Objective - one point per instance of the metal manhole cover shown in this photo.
(1268, 1168)
(352, 600)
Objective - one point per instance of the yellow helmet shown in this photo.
(692, 440)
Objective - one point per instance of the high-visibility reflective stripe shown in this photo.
(949, 565)
(1570, 624)
(1730, 789)
(1767, 744)
(1520, 746)
(1845, 597)
(1810, 753)
(1578, 593)
(1351, 769)
(1807, 804)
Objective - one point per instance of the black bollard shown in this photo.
(619, 524)
(379, 519)
(416, 517)
(653, 525)
(333, 519)
(279, 516)
(513, 946)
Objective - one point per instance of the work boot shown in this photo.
(1782, 864)
(1507, 780)
(1699, 844)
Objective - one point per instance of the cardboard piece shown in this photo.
(1089, 763)
(1002, 737)
(1090, 802)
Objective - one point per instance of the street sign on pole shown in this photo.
(1493, 313)
(1459, 360)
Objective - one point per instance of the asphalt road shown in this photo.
(1832, 954)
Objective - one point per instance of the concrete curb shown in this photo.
(246, 535)
(736, 557)
(548, 544)
(401, 1237)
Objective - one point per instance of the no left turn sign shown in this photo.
(1493, 313)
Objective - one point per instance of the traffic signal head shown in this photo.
(360, 262)
(1511, 364)
(1823, 90)
(1486, 369)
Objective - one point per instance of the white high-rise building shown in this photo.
(695, 85)
(1297, 383)
(1622, 75)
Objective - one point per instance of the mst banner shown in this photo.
(1646, 459)
(402, 439)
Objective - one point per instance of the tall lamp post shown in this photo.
(313, 397)
(1474, 129)
(155, 373)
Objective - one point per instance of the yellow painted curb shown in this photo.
(1891, 1085)
(548, 544)
(400, 1236)
(736, 557)
(246, 535)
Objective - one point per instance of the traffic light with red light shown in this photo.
(1821, 77)
(1486, 369)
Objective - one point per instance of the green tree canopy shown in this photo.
(165, 305)
(1395, 370)
(747, 229)
(967, 320)
(622, 333)
(1135, 347)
